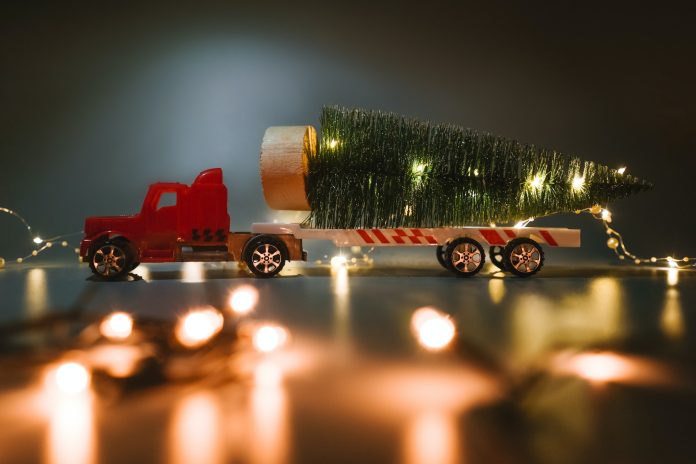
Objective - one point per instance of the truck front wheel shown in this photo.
(111, 259)
(265, 255)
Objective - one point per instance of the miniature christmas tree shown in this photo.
(375, 169)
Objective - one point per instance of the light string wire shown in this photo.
(616, 243)
(40, 245)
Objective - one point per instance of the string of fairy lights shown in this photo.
(39, 244)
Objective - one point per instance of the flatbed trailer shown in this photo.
(458, 249)
(195, 228)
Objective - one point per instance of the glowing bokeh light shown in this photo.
(193, 272)
(243, 299)
(600, 367)
(195, 431)
(71, 377)
(198, 326)
(38, 240)
(536, 183)
(117, 326)
(578, 184)
(338, 261)
(434, 329)
(431, 437)
(269, 338)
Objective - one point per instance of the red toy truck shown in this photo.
(178, 223)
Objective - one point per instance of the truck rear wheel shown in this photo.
(465, 257)
(523, 257)
(265, 255)
(111, 259)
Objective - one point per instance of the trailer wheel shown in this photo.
(496, 254)
(441, 258)
(523, 257)
(111, 259)
(265, 255)
(465, 257)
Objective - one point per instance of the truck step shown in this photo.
(202, 253)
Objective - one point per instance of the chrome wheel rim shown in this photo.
(266, 258)
(466, 257)
(109, 260)
(525, 258)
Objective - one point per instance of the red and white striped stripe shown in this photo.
(492, 236)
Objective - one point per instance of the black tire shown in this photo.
(440, 254)
(111, 259)
(523, 257)
(265, 255)
(464, 257)
(496, 255)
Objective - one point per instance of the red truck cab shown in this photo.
(177, 222)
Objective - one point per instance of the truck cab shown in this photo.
(174, 219)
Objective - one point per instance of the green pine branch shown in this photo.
(375, 169)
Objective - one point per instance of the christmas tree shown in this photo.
(375, 169)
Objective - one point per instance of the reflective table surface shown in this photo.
(590, 364)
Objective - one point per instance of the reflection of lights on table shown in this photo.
(243, 299)
(671, 318)
(269, 338)
(117, 326)
(36, 292)
(496, 290)
(194, 433)
(434, 329)
(672, 276)
(198, 326)
(269, 437)
(71, 434)
(431, 437)
(192, 272)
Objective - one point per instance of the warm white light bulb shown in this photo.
(38, 240)
(198, 327)
(418, 169)
(117, 326)
(621, 170)
(578, 184)
(72, 377)
(606, 215)
(269, 338)
(536, 182)
(523, 223)
(338, 261)
(243, 299)
(333, 143)
(433, 329)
